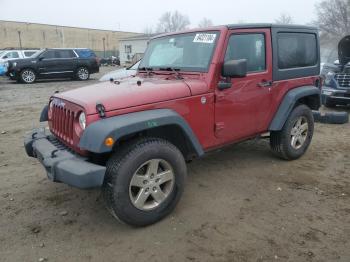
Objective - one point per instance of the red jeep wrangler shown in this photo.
(195, 91)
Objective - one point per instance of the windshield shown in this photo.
(185, 52)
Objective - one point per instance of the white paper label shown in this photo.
(204, 38)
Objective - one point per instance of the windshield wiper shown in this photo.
(172, 69)
(148, 70)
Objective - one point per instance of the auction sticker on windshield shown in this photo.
(204, 38)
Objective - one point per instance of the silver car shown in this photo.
(121, 73)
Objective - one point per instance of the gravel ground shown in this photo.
(240, 204)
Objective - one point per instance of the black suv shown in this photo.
(54, 63)
(336, 88)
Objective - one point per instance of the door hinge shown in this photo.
(219, 97)
(219, 127)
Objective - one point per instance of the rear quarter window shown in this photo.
(297, 50)
(85, 53)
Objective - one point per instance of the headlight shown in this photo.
(329, 77)
(49, 113)
(82, 120)
(14, 64)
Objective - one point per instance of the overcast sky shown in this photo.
(136, 15)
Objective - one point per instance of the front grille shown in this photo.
(62, 123)
(60, 146)
(343, 80)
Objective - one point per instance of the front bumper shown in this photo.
(336, 96)
(60, 163)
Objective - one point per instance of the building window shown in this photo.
(128, 49)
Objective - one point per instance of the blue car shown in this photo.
(3, 69)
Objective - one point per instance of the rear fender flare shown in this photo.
(290, 100)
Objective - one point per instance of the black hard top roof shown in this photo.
(261, 25)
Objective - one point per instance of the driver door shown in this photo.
(242, 110)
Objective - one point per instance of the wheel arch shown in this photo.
(31, 68)
(308, 95)
(159, 123)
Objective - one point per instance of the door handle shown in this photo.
(265, 84)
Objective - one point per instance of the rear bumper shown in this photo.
(61, 164)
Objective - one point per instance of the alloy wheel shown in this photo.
(299, 132)
(151, 184)
(28, 76)
(83, 74)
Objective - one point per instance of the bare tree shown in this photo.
(148, 30)
(205, 22)
(284, 19)
(172, 22)
(333, 18)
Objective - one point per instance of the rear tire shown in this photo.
(82, 74)
(295, 137)
(144, 181)
(27, 76)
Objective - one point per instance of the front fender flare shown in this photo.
(288, 103)
(119, 126)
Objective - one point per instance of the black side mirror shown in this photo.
(41, 58)
(5, 57)
(235, 68)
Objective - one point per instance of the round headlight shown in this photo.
(14, 64)
(82, 120)
(49, 113)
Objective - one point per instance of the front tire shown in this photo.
(27, 76)
(144, 181)
(295, 137)
(82, 74)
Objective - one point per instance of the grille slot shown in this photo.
(59, 144)
(62, 123)
(343, 80)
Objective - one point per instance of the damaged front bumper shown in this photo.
(61, 164)
(336, 96)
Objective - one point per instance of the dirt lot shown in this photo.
(240, 204)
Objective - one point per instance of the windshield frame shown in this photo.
(183, 69)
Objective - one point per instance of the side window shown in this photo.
(250, 47)
(296, 50)
(12, 55)
(85, 53)
(50, 54)
(66, 54)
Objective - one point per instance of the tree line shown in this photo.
(332, 18)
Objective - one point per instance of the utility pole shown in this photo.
(104, 47)
(20, 40)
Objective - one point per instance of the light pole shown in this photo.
(20, 40)
(104, 47)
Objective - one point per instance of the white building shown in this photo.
(131, 49)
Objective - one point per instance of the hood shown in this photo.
(126, 94)
(344, 50)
